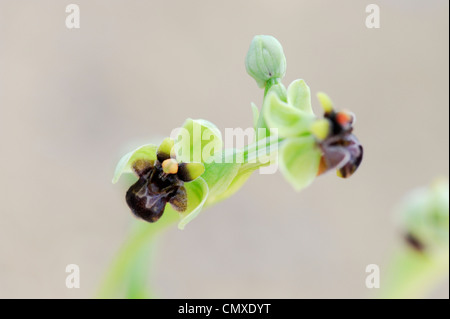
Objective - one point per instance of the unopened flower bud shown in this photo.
(265, 59)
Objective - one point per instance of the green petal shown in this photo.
(299, 96)
(290, 121)
(202, 141)
(325, 102)
(145, 153)
(321, 128)
(299, 161)
(164, 149)
(197, 192)
(189, 171)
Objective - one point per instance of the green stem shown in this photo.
(127, 275)
(261, 122)
(267, 146)
(269, 84)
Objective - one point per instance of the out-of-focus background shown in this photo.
(72, 102)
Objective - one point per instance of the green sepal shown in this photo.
(199, 140)
(197, 193)
(299, 96)
(145, 153)
(299, 160)
(290, 121)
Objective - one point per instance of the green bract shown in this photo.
(265, 59)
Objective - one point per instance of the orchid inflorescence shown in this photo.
(305, 146)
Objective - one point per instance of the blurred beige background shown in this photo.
(73, 101)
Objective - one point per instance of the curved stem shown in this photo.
(269, 84)
(261, 122)
(265, 147)
(127, 275)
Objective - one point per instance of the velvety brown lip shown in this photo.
(147, 198)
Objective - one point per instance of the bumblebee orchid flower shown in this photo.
(160, 182)
(164, 177)
(311, 146)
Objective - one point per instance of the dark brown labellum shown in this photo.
(147, 198)
(341, 149)
(161, 181)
